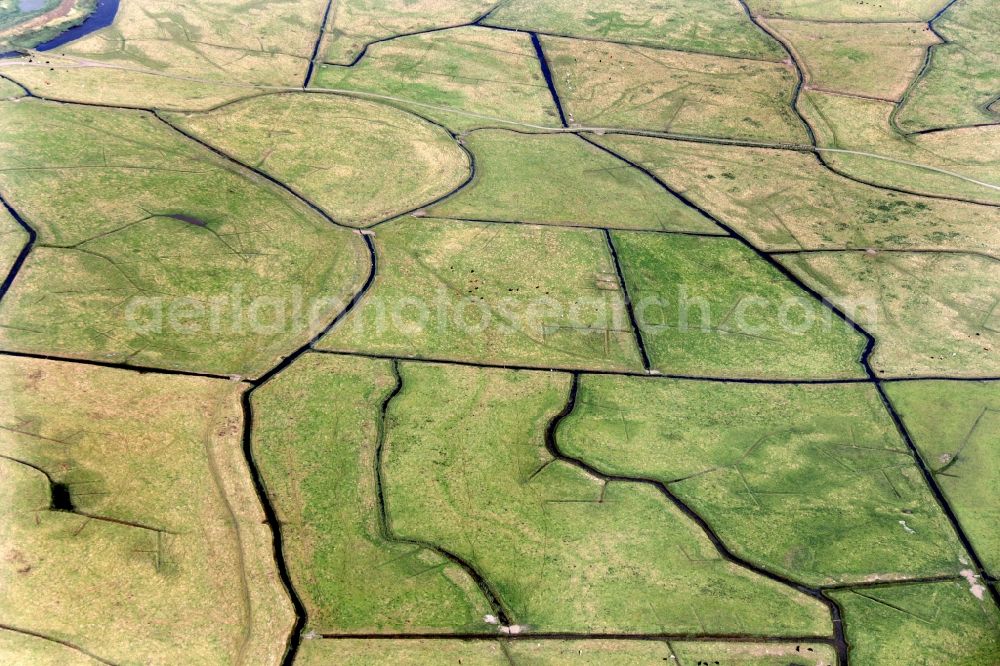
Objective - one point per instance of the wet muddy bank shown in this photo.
(102, 16)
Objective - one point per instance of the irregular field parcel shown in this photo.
(153, 249)
(128, 491)
(556, 300)
(399, 331)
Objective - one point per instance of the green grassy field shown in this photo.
(487, 74)
(920, 624)
(555, 301)
(315, 438)
(960, 85)
(164, 523)
(563, 180)
(12, 240)
(359, 161)
(531, 332)
(125, 83)
(355, 23)
(565, 551)
(711, 307)
(783, 200)
(930, 313)
(408, 652)
(811, 481)
(844, 10)
(771, 654)
(248, 272)
(954, 425)
(702, 26)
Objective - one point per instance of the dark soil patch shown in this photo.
(61, 500)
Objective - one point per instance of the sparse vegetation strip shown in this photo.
(916, 250)
(672, 232)
(569, 636)
(594, 371)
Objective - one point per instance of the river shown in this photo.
(102, 16)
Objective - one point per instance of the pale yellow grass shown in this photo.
(355, 23)
(931, 314)
(863, 125)
(216, 42)
(876, 60)
(358, 160)
(191, 579)
(687, 93)
(784, 200)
